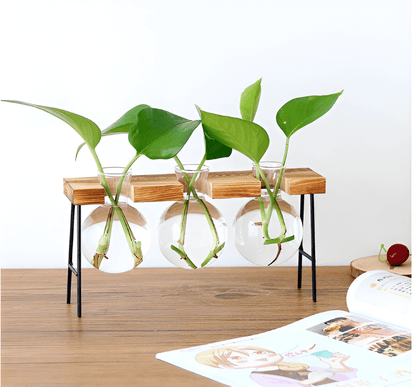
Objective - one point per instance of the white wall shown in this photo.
(100, 58)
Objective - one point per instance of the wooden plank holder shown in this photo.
(219, 185)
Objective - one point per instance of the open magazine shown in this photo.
(370, 346)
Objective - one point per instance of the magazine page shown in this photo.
(328, 348)
(383, 296)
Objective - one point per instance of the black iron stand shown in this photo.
(77, 271)
(71, 268)
(302, 253)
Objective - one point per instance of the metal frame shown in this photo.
(302, 253)
(77, 271)
(71, 269)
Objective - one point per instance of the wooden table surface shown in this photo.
(128, 318)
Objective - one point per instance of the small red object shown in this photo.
(397, 254)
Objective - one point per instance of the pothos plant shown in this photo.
(147, 136)
(171, 128)
(245, 136)
(159, 134)
(154, 133)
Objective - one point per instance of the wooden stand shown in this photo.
(219, 185)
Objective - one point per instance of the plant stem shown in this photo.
(273, 204)
(264, 224)
(281, 238)
(279, 180)
(103, 243)
(215, 249)
(213, 254)
(273, 196)
(184, 256)
(126, 169)
(181, 240)
(194, 177)
(135, 247)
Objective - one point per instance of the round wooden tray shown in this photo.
(362, 265)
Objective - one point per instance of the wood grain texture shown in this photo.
(226, 185)
(302, 181)
(295, 181)
(128, 318)
(362, 265)
(84, 190)
(219, 185)
(155, 188)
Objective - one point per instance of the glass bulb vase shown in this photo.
(115, 237)
(267, 235)
(192, 233)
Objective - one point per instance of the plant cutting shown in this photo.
(190, 194)
(159, 134)
(213, 150)
(192, 232)
(159, 120)
(153, 141)
(243, 135)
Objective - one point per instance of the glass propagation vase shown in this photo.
(119, 257)
(248, 230)
(192, 233)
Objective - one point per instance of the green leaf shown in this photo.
(159, 134)
(214, 149)
(87, 129)
(244, 136)
(249, 101)
(122, 125)
(300, 112)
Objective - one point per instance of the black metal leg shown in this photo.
(313, 258)
(71, 245)
(302, 208)
(302, 253)
(79, 262)
(71, 269)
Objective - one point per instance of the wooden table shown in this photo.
(128, 318)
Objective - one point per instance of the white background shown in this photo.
(101, 58)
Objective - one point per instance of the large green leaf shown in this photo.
(122, 125)
(300, 112)
(244, 136)
(214, 149)
(249, 101)
(125, 122)
(159, 134)
(87, 129)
